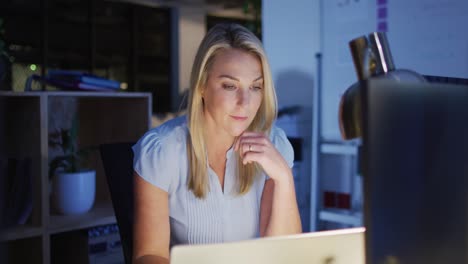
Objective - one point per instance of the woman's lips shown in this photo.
(239, 118)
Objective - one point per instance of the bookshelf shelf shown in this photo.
(20, 232)
(100, 214)
(338, 149)
(343, 217)
(26, 121)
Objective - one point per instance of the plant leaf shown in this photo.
(59, 162)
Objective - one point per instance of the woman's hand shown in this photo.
(279, 214)
(257, 147)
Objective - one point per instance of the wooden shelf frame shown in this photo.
(105, 117)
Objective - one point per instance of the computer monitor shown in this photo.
(338, 247)
(415, 169)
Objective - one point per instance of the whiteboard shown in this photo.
(427, 36)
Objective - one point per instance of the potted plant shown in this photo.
(73, 184)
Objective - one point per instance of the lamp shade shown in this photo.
(372, 59)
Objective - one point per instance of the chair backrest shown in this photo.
(117, 160)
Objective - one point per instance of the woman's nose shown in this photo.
(243, 97)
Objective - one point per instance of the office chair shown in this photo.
(117, 159)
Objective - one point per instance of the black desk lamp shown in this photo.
(372, 59)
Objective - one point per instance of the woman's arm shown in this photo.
(279, 213)
(151, 231)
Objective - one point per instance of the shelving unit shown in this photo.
(335, 153)
(127, 42)
(327, 158)
(26, 121)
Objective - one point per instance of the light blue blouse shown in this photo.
(160, 158)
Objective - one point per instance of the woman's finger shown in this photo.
(244, 136)
(252, 147)
(251, 133)
(243, 139)
(252, 157)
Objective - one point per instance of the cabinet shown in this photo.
(26, 123)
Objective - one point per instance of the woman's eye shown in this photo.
(256, 88)
(229, 87)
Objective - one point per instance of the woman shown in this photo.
(223, 173)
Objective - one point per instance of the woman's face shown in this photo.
(233, 92)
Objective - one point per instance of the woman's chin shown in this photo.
(237, 131)
(236, 134)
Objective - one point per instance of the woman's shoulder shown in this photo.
(277, 133)
(157, 154)
(171, 133)
(281, 142)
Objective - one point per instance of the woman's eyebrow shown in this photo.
(259, 78)
(235, 79)
(228, 76)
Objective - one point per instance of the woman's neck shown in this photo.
(217, 142)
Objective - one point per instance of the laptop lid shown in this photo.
(337, 247)
(415, 169)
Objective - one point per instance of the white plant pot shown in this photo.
(74, 193)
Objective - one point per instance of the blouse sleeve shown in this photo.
(152, 160)
(282, 144)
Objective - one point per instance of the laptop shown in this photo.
(344, 246)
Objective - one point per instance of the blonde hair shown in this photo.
(218, 38)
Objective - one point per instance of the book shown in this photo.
(82, 77)
(77, 85)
